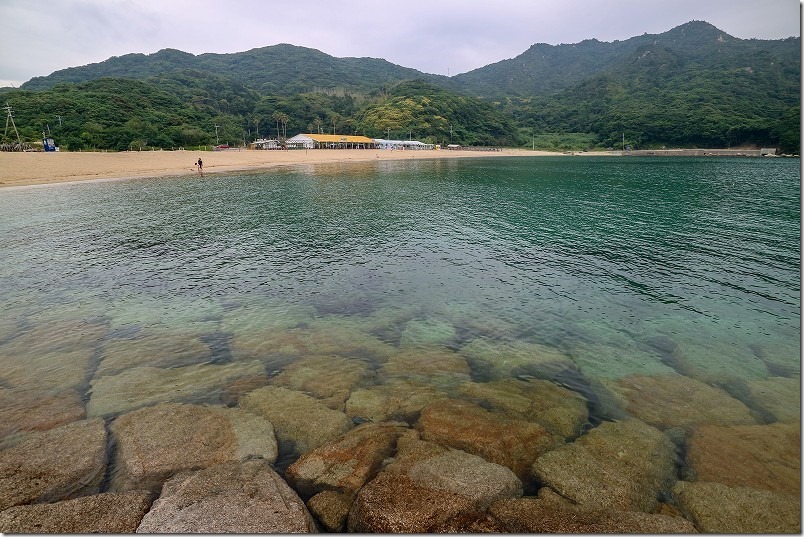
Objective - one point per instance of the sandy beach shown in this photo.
(20, 169)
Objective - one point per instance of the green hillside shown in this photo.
(278, 69)
(692, 86)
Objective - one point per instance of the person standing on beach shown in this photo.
(200, 166)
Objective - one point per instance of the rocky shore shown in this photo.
(462, 467)
(296, 434)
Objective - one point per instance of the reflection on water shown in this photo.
(590, 298)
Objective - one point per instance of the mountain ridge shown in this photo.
(693, 84)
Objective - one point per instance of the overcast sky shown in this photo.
(436, 36)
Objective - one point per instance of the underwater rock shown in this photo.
(429, 465)
(777, 396)
(329, 378)
(143, 386)
(430, 366)
(108, 512)
(247, 497)
(232, 392)
(678, 401)
(766, 457)
(504, 359)
(52, 336)
(717, 361)
(620, 465)
(154, 443)
(395, 400)
(718, 508)
(49, 372)
(426, 332)
(345, 463)
(782, 358)
(331, 509)
(535, 515)
(334, 337)
(559, 410)
(463, 425)
(54, 465)
(617, 360)
(156, 348)
(298, 419)
(24, 411)
(395, 504)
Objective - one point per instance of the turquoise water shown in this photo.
(621, 266)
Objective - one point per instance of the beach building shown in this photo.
(329, 141)
(264, 144)
(380, 143)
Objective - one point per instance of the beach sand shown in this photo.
(19, 169)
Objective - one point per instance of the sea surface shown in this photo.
(587, 272)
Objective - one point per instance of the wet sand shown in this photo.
(19, 169)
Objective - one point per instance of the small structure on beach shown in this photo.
(329, 141)
(402, 144)
(262, 143)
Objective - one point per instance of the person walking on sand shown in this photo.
(200, 166)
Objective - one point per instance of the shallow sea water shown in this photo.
(594, 274)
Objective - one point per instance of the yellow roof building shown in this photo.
(330, 140)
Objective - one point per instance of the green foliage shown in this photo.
(693, 86)
(427, 113)
(109, 113)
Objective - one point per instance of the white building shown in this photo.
(402, 144)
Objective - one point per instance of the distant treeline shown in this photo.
(692, 86)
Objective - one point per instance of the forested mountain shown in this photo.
(693, 86)
(278, 69)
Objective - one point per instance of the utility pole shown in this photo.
(217, 141)
(10, 117)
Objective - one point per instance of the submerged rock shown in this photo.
(777, 396)
(430, 366)
(330, 378)
(560, 411)
(247, 497)
(232, 392)
(530, 515)
(615, 360)
(395, 504)
(154, 443)
(25, 411)
(766, 457)
(719, 361)
(677, 401)
(463, 425)
(314, 338)
(344, 464)
(331, 509)
(718, 508)
(502, 359)
(426, 332)
(54, 465)
(156, 349)
(298, 419)
(395, 401)
(619, 465)
(108, 512)
(49, 372)
(143, 386)
(431, 466)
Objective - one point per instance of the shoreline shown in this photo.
(39, 168)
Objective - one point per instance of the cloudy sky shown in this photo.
(437, 36)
